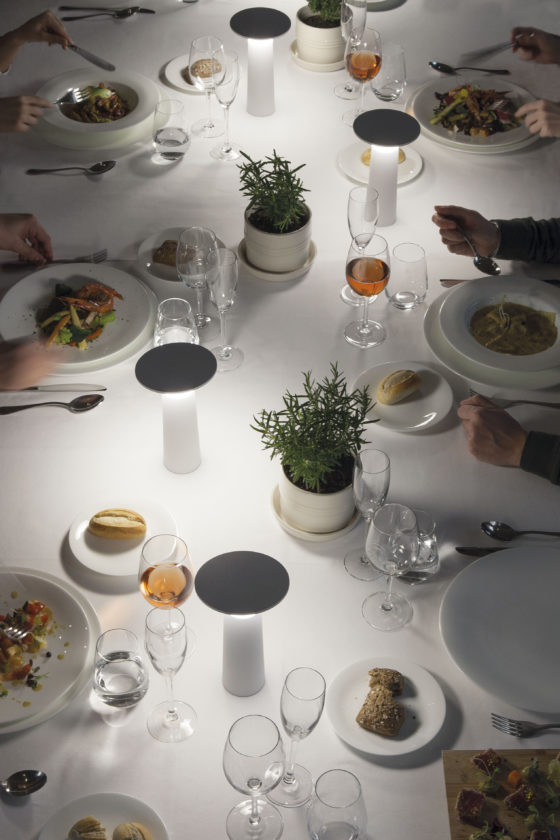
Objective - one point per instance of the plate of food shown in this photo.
(354, 161)
(400, 706)
(31, 307)
(107, 537)
(408, 396)
(176, 72)
(105, 816)
(508, 323)
(476, 115)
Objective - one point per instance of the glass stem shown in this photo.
(227, 145)
(289, 777)
(210, 122)
(172, 715)
(254, 817)
(364, 325)
(363, 98)
(199, 306)
(224, 352)
(387, 605)
(363, 557)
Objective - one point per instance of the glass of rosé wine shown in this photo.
(367, 274)
(166, 573)
(363, 62)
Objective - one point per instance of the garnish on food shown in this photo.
(33, 619)
(102, 105)
(77, 317)
(471, 110)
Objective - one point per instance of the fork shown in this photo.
(16, 634)
(73, 96)
(96, 257)
(509, 403)
(519, 728)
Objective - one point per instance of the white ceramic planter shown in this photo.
(277, 252)
(317, 513)
(318, 45)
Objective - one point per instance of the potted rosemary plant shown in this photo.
(317, 436)
(277, 219)
(319, 33)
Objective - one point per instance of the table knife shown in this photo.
(448, 283)
(86, 387)
(477, 551)
(99, 62)
(101, 9)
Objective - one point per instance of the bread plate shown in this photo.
(173, 72)
(110, 809)
(349, 161)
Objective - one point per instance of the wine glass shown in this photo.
(226, 82)
(337, 811)
(254, 763)
(194, 249)
(372, 471)
(392, 546)
(205, 62)
(166, 573)
(222, 282)
(353, 15)
(301, 706)
(363, 61)
(367, 273)
(166, 644)
(362, 214)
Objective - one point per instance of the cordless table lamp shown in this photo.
(175, 371)
(260, 26)
(242, 585)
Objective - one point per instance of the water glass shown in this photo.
(409, 276)
(170, 136)
(337, 811)
(175, 323)
(390, 82)
(120, 679)
(427, 561)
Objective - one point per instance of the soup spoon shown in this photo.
(502, 531)
(83, 403)
(484, 264)
(23, 782)
(447, 68)
(96, 169)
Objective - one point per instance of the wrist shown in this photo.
(497, 238)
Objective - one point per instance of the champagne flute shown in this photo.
(226, 82)
(253, 763)
(166, 572)
(204, 68)
(301, 706)
(194, 249)
(353, 15)
(166, 644)
(372, 472)
(392, 546)
(363, 61)
(362, 214)
(367, 273)
(222, 282)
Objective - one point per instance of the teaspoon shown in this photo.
(83, 403)
(484, 264)
(96, 169)
(502, 531)
(447, 68)
(24, 782)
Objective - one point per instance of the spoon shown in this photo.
(502, 531)
(447, 68)
(24, 782)
(96, 169)
(119, 13)
(83, 403)
(484, 264)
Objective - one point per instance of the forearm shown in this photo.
(10, 45)
(529, 240)
(541, 455)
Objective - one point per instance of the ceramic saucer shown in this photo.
(308, 535)
(276, 276)
(349, 161)
(310, 65)
(173, 72)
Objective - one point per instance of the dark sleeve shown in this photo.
(541, 455)
(529, 240)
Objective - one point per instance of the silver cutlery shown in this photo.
(23, 782)
(484, 264)
(448, 283)
(79, 404)
(136, 9)
(93, 59)
(477, 551)
(475, 55)
(447, 68)
(96, 257)
(503, 531)
(95, 169)
(118, 14)
(73, 96)
(66, 386)
(503, 403)
(519, 728)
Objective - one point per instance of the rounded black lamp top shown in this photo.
(384, 127)
(260, 22)
(242, 583)
(176, 367)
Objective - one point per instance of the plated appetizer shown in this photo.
(22, 634)
(77, 317)
(102, 105)
(468, 109)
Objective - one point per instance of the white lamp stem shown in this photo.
(260, 81)
(243, 662)
(181, 449)
(383, 178)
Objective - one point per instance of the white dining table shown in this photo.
(55, 465)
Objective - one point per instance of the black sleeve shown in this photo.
(541, 455)
(529, 240)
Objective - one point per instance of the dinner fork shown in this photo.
(519, 728)
(73, 96)
(502, 403)
(16, 634)
(96, 257)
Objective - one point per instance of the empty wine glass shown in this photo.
(337, 811)
(353, 15)
(363, 61)
(254, 763)
(367, 273)
(301, 706)
(166, 644)
(204, 67)
(222, 282)
(166, 571)
(362, 214)
(372, 471)
(194, 249)
(392, 546)
(226, 82)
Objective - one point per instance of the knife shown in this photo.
(447, 283)
(476, 55)
(477, 551)
(65, 386)
(101, 9)
(99, 62)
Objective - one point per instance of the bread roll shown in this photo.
(397, 386)
(117, 524)
(88, 828)
(131, 831)
(366, 156)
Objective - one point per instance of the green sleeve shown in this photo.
(529, 240)
(541, 455)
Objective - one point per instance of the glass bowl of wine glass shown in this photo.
(166, 572)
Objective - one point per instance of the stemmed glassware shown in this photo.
(254, 763)
(372, 471)
(222, 282)
(362, 214)
(195, 249)
(226, 82)
(166, 572)
(353, 15)
(166, 644)
(392, 546)
(363, 61)
(205, 62)
(367, 273)
(301, 706)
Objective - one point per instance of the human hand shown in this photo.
(542, 117)
(19, 113)
(492, 434)
(483, 233)
(22, 233)
(44, 27)
(536, 45)
(23, 364)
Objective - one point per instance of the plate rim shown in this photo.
(185, 87)
(401, 179)
(90, 799)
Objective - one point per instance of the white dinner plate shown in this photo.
(500, 623)
(349, 161)
(421, 410)
(423, 101)
(422, 698)
(110, 809)
(117, 557)
(70, 643)
(173, 72)
(462, 301)
(128, 333)
(474, 372)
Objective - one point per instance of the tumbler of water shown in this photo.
(170, 136)
(175, 323)
(120, 679)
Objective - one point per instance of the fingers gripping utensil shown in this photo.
(484, 264)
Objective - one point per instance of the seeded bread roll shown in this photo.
(166, 253)
(388, 678)
(117, 524)
(131, 831)
(398, 386)
(88, 828)
(380, 713)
